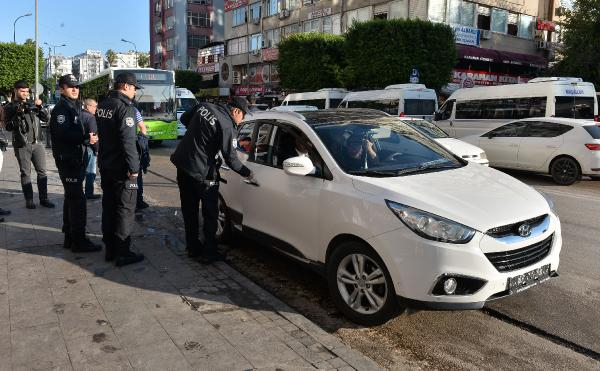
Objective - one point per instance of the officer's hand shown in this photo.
(132, 176)
(38, 102)
(93, 138)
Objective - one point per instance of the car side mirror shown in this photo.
(300, 165)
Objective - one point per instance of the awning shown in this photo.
(500, 56)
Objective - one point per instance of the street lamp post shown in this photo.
(50, 61)
(136, 53)
(15, 25)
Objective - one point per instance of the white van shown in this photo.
(473, 111)
(184, 100)
(322, 98)
(412, 100)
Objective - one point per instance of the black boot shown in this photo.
(126, 256)
(29, 203)
(67, 241)
(43, 191)
(111, 249)
(85, 245)
(28, 193)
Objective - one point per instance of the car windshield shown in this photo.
(184, 104)
(383, 146)
(427, 128)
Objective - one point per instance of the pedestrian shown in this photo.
(69, 140)
(91, 150)
(144, 154)
(3, 146)
(23, 119)
(119, 166)
(212, 129)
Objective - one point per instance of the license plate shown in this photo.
(529, 279)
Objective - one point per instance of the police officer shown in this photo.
(23, 119)
(119, 165)
(212, 129)
(69, 138)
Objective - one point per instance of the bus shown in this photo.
(322, 98)
(156, 101)
(473, 111)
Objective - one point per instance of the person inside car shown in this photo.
(358, 152)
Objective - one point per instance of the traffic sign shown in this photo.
(414, 76)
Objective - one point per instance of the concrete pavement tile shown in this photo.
(163, 303)
(113, 296)
(39, 346)
(42, 366)
(101, 351)
(228, 360)
(81, 319)
(161, 356)
(227, 318)
(207, 303)
(60, 268)
(31, 308)
(71, 290)
(136, 328)
(5, 350)
(356, 359)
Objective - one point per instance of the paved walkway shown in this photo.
(69, 311)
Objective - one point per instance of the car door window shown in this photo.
(541, 129)
(244, 137)
(514, 129)
(446, 110)
(290, 142)
(262, 146)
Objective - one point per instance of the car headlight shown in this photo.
(550, 202)
(431, 226)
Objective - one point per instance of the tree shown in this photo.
(111, 57)
(190, 80)
(384, 52)
(311, 61)
(581, 40)
(17, 62)
(143, 60)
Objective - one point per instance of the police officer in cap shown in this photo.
(119, 165)
(212, 128)
(69, 138)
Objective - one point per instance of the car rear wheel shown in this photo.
(360, 284)
(565, 171)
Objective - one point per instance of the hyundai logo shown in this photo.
(524, 230)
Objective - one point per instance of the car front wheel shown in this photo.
(223, 222)
(565, 171)
(360, 284)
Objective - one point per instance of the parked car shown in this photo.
(294, 108)
(389, 216)
(460, 148)
(564, 148)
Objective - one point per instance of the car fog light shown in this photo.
(450, 286)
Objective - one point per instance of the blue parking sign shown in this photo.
(414, 76)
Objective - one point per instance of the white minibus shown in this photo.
(412, 100)
(322, 98)
(473, 111)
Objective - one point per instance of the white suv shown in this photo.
(387, 214)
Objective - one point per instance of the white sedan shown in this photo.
(460, 148)
(564, 148)
(388, 215)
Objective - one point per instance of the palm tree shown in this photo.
(111, 57)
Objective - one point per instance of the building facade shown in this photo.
(88, 64)
(498, 41)
(125, 60)
(57, 65)
(180, 28)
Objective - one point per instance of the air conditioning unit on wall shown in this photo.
(237, 78)
(256, 20)
(284, 13)
(486, 34)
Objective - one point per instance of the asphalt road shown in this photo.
(555, 325)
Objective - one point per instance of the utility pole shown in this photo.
(37, 52)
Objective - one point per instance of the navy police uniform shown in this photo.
(209, 131)
(117, 159)
(69, 138)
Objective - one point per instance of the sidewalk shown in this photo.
(66, 311)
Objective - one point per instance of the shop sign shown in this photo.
(271, 54)
(248, 90)
(545, 25)
(470, 78)
(319, 13)
(234, 4)
(208, 68)
(466, 35)
(574, 91)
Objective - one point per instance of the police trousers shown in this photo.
(118, 207)
(74, 207)
(192, 192)
(32, 154)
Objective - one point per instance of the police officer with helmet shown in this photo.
(211, 130)
(119, 165)
(69, 138)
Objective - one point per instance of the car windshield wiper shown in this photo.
(373, 173)
(424, 168)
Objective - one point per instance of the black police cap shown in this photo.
(127, 78)
(69, 79)
(240, 103)
(21, 84)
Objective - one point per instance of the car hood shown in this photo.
(474, 195)
(459, 147)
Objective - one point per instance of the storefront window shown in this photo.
(499, 20)
(483, 17)
(525, 26)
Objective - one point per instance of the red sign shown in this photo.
(208, 68)
(470, 78)
(270, 54)
(247, 90)
(546, 25)
(234, 4)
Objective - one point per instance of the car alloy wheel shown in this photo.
(360, 284)
(223, 222)
(565, 171)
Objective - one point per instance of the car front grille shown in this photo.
(506, 261)
(513, 229)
